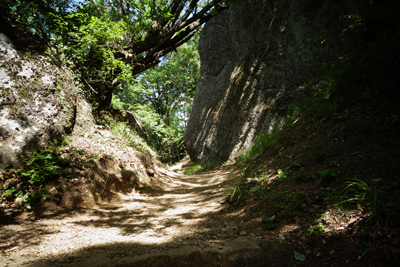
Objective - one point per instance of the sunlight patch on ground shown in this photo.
(145, 219)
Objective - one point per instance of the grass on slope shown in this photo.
(328, 180)
(50, 175)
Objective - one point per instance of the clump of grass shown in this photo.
(358, 191)
(29, 181)
(202, 167)
(237, 193)
(129, 137)
(41, 175)
(265, 139)
(366, 197)
(193, 169)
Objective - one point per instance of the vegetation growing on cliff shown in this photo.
(162, 98)
(69, 174)
(332, 170)
(329, 179)
(108, 42)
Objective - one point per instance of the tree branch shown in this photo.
(153, 40)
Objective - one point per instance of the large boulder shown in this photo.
(254, 56)
(37, 103)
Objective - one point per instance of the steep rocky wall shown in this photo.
(37, 103)
(254, 56)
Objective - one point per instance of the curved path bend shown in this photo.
(180, 226)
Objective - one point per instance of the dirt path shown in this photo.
(176, 227)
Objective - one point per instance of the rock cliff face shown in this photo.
(37, 103)
(254, 56)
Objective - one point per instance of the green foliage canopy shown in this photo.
(162, 98)
(108, 42)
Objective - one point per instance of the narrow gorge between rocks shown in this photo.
(199, 133)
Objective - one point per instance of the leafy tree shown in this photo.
(30, 23)
(147, 31)
(109, 41)
(170, 86)
(162, 98)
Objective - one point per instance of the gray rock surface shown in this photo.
(37, 103)
(84, 122)
(254, 56)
